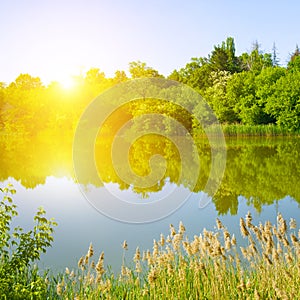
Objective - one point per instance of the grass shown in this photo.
(256, 130)
(240, 130)
(209, 266)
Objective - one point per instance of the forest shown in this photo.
(250, 89)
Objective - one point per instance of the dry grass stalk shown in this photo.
(211, 266)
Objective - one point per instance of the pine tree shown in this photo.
(275, 60)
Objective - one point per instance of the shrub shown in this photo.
(19, 250)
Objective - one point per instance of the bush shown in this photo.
(19, 250)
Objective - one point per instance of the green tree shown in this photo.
(223, 57)
(251, 92)
(140, 69)
(175, 75)
(265, 87)
(216, 96)
(284, 104)
(195, 73)
(256, 60)
(275, 59)
(295, 54)
(95, 82)
(2, 103)
(240, 90)
(24, 103)
(94, 76)
(294, 66)
(120, 76)
(27, 82)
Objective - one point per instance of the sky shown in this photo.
(56, 39)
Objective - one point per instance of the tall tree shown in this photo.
(275, 59)
(223, 57)
(234, 64)
(295, 54)
(294, 62)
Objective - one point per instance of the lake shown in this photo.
(262, 176)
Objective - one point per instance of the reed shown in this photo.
(211, 265)
(256, 130)
(241, 130)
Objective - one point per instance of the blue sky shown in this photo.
(54, 39)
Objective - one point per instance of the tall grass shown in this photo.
(255, 130)
(241, 130)
(209, 266)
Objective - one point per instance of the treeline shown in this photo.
(249, 89)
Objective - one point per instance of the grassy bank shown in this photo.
(211, 265)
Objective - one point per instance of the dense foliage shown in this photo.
(248, 89)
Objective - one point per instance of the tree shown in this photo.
(140, 69)
(265, 87)
(223, 57)
(219, 59)
(295, 54)
(96, 82)
(294, 63)
(240, 90)
(26, 82)
(24, 102)
(217, 98)
(175, 75)
(294, 66)
(234, 64)
(284, 104)
(94, 76)
(256, 60)
(195, 73)
(275, 60)
(2, 102)
(120, 76)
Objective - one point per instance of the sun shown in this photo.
(67, 83)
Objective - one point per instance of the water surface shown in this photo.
(262, 176)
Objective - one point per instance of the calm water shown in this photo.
(262, 176)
